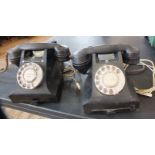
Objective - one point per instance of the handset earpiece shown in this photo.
(131, 55)
(82, 58)
(14, 56)
(82, 61)
(62, 53)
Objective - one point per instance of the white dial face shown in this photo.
(29, 75)
(109, 80)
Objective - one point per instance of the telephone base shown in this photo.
(39, 95)
(94, 107)
(43, 98)
(94, 101)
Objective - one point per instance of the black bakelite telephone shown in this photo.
(40, 73)
(107, 88)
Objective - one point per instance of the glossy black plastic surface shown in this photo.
(70, 105)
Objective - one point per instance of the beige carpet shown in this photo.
(16, 114)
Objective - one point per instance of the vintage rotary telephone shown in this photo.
(39, 77)
(107, 88)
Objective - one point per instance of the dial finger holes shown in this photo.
(110, 91)
(99, 72)
(97, 77)
(117, 71)
(108, 67)
(113, 68)
(100, 87)
(97, 82)
(105, 90)
(24, 85)
(25, 65)
(103, 69)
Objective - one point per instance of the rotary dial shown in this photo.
(29, 75)
(109, 80)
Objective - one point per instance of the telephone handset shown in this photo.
(107, 88)
(61, 52)
(39, 77)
